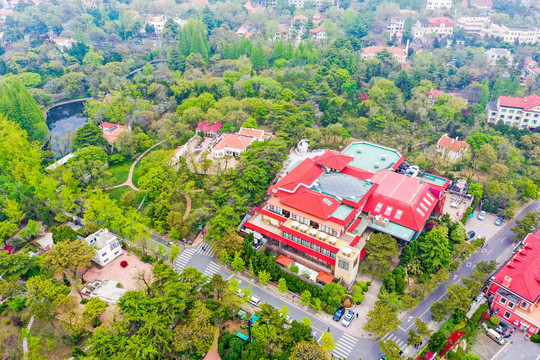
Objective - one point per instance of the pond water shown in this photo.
(63, 121)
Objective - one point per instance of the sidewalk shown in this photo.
(213, 353)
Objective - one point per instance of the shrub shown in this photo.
(459, 326)
(495, 320)
(124, 263)
(17, 303)
(116, 159)
(118, 285)
(478, 313)
(368, 283)
(8, 322)
(16, 320)
(535, 338)
(84, 301)
(294, 269)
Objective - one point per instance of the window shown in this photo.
(503, 300)
(520, 112)
(420, 212)
(103, 254)
(511, 304)
(398, 214)
(343, 264)
(510, 117)
(512, 111)
(502, 116)
(333, 255)
(315, 247)
(305, 243)
(536, 115)
(503, 110)
(379, 207)
(524, 305)
(296, 239)
(528, 114)
(287, 235)
(325, 251)
(423, 206)
(388, 211)
(507, 315)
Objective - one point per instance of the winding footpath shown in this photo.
(129, 181)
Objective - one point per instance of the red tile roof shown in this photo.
(435, 93)
(111, 131)
(317, 30)
(377, 49)
(300, 17)
(207, 127)
(526, 103)
(305, 173)
(234, 141)
(334, 160)
(410, 195)
(524, 270)
(283, 260)
(452, 144)
(312, 202)
(324, 277)
(437, 21)
(256, 133)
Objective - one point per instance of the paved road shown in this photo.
(350, 347)
(499, 247)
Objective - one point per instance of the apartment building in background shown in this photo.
(438, 4)
(515, 111)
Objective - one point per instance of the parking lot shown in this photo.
(484, 228)
(485, 347)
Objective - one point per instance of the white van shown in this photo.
(495, 336)
(254, 301)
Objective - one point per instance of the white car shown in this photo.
(349, 316)
(482, 215)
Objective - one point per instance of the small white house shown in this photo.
(106, 245)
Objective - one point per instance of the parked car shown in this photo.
(169, 243)
(471, 234)
(499, 221)
(349, 316)
(339, 313)
(482, 215)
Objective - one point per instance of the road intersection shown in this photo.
(500, 246)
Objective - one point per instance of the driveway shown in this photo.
(484, 228)
(520, 348)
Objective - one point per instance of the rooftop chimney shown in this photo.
(506, 281)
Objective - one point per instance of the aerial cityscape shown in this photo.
(270, 179)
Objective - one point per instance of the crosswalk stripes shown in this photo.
(211, 269)
(344, 346)
(390, 336)
(205, 249)
(182, 260)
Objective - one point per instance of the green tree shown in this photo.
(282, 285)
(63, 233)
(390, 349)
(174, 252)
(327, 341)
(13, 266)
(258, 58)
(93, 310)
(238, 263)
(306, 298)
(309, 350)
(381, 248)
(525, 226)
(264, 277)
(414, 338)
(18, 105)
(422, 328)
(435, 249)
(381, 320)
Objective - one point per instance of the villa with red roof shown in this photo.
(371, 52)
(442, 26)
(514, 291)
(452, 149)
(111, 131)
(321, 212)
(515, 111)
(209, 130)
(235, 144)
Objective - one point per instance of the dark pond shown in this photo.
(62, 121)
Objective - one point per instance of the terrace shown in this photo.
(371, 157)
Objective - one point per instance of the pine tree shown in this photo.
(258, 58)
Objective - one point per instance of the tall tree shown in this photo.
(381, 319)
(18, 105)
(380, 250)
(525, 226)
(436, 250)
(309, 350)
(258, 58)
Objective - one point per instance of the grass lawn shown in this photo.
(119, 173)
(137, 167)
(118, 192)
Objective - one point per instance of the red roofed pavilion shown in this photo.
(209, 130)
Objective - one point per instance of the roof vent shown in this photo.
(358, 151)
(383, 158)
(506, 281)
(376, 166)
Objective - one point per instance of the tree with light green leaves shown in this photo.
(282, 285)
(264, 277)
(327, 341)
(381, 320)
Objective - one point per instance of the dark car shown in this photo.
(471, 234)
(339, 313)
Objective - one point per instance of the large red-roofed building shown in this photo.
(514, 291)
(515, 111)
(371, 52)
(318, 213)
